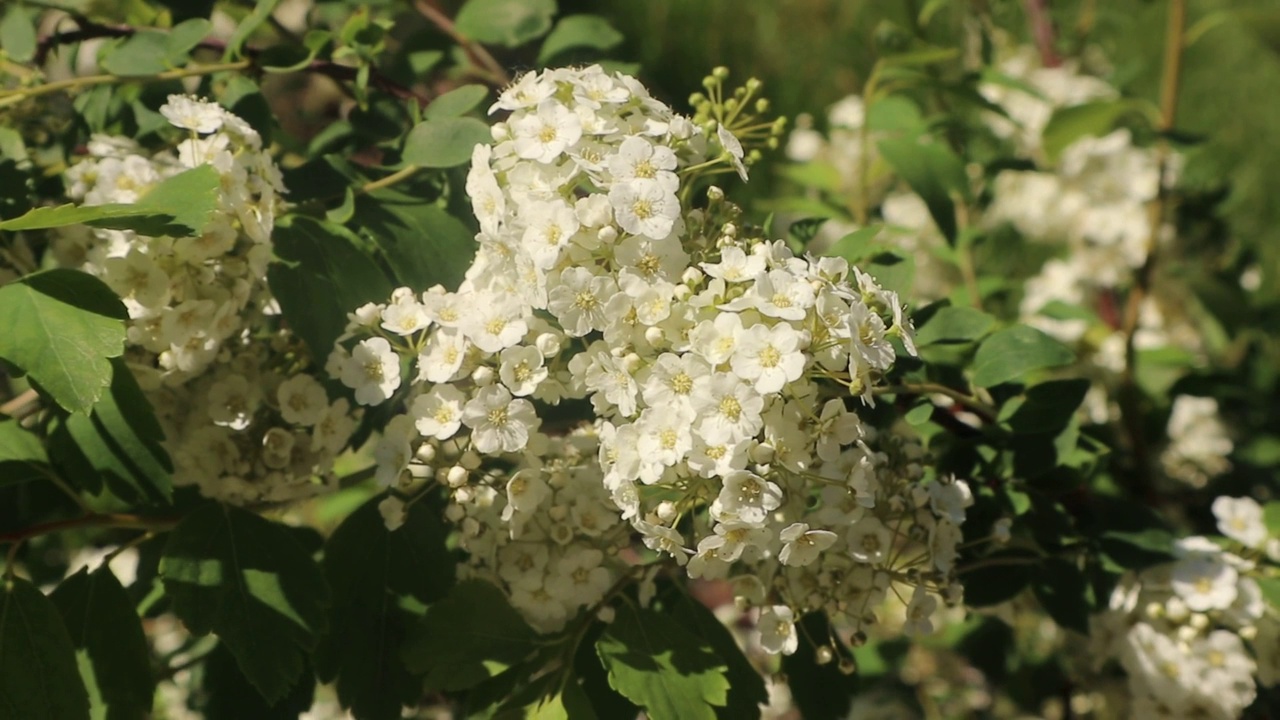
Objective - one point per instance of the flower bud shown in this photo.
(454, 512)
(666, 511)
(548, 344)
(426, 453)
(823, 655)
(482, 376)
(654, 336)
(456, 477)
(761, 454)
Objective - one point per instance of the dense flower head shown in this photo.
(718, 369)
(244, 420)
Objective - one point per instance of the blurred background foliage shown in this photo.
(811, 53)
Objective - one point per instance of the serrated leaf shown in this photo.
(579, 31)
(232, 697)
(18, 34)
(746, 686)
(1011, 353)
(446, 142)
(60, 327)
(658, 665)
(456, 102)
(1064, 593)
(122, 441)
(933, 172)
(955, 324)
(423, 244)
(370, 571)
(21, 454)
(325, 272)
(466, 636)
(248, 581)
(998, 576)
(104, 626)
(38, 675)
(505, 22)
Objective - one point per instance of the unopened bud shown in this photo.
(456, 477)
(426, 453)
(482, 376)
(666, 511)
(454, 512)
(823, 655)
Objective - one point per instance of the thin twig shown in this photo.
(111, 520)
(14, 406)
(1130, 396)
(480, 57)
(980, 408)
(15, 96)
(1042, 31)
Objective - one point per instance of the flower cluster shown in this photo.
(1198, 444)
(243, 419)
(1182, 630)
(716, 365)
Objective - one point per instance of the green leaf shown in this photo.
(605, 701)
(1069, 124)
(325, 272)
(658, 665)
(955, 325)
(122, 440)
(184, 37)
(1271, 517)
(21, 454)
(106, 631)
(60, 326)
(247, 27)
(446, 142)
(371, 570)
(998, 576)
(179, 206)
(423, 244)
(1046, 408)
(579, 31)
(1138, 549)
(893, 271)
(933, 172)
(247, 580)
(18, 34)
(895, 114)
(1011, 353)
(746, 686)
(232, 697)
(456, 102)
(1270, 588)
(146, 52)
(1064, 593)
(466, 636)
(505, 22)
(38, 675)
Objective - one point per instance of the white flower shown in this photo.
(735, 265)
(579, 577)
(393, 512)
(193, 114)
(578, 300)
(663, 539)
(373, 371)
(919, 613)
(802, 544)
(644, 207)
(639, 159)
(674, 380)
(442, 357)
(334, 428)
(746, 497)
(233, 401)
(438, 413)
(1204, 582)
(497, 422)
(543, 136)
(716, 339)
(548, 227)
(302, 399)
(778, 630)
(734, 150)
(949, 499)
(729, 410)
(869, 540)
(769, 356)
(394, 450)
(521, 369)
(405, 318)
(837, 427)
(781, 294)
(609, 377)
(1241, 520)
(525, 492)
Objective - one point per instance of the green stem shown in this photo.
(980, 408)
(12, 97)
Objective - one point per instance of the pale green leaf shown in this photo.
(60, 327)
(1011, 353)
(446, 142)
(579, 31)
(505, 22)
(658, 665)
(456, 102)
